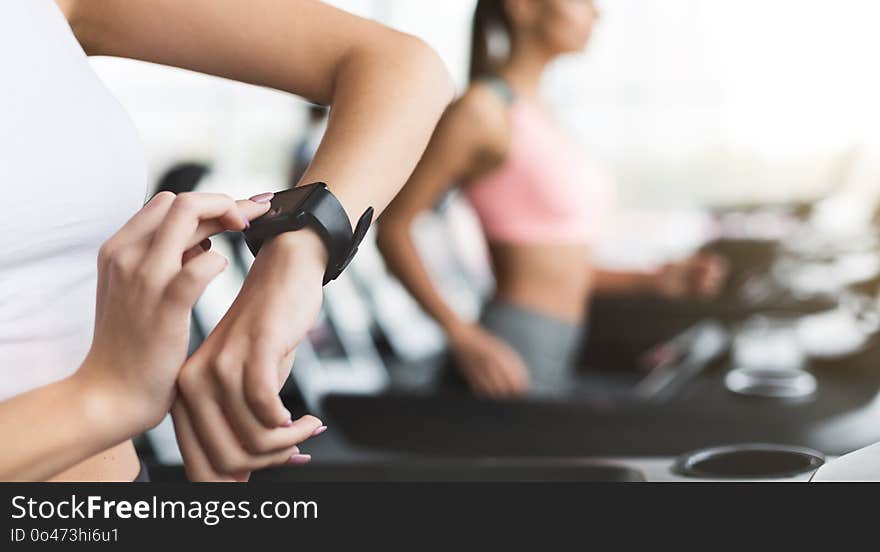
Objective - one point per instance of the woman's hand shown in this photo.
(490, 366)
(150, 275)
(229, 418)
(699, 276)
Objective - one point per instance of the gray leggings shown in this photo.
(546, 344)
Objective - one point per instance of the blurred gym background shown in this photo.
(750, 127)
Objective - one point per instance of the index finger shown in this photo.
(179, 229)
(145, 221)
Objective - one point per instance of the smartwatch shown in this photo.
(313, 206)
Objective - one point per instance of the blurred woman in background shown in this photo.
(540, 202)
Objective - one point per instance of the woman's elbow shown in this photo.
(406, 70)
(427, 66)
(421, 69)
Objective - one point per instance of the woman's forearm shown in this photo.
(402, 258)
(386, 102)
(52, 428)
(608, 282)
(387, 89)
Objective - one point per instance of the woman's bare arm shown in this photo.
(471, 138)
(150, 274)
(57, 426)
(609, 282)
(701, 275)
(387, 89)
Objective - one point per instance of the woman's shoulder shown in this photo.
(484, 104)
(485, 116)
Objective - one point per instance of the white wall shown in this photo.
(716, 100)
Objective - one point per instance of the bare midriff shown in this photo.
(554, 280)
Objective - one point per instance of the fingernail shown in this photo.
(247, 223)
(263, 198)
(299, 459)
(288, 423)
(319, 431)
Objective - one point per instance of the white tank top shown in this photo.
(72, 172)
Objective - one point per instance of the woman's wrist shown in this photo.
(456, 328)
(113, 412)
(118, 408)
(302, 249)
(654, 282)
(669, 282)
(648, 282)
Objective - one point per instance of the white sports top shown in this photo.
(72, 172)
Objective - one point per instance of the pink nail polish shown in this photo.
(288, 423)
(263, 198)
(299, 459)
(319, 431)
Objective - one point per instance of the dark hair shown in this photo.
(490, 22)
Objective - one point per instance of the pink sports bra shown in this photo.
(546, 191)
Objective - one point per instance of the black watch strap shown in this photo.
(313, 206)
